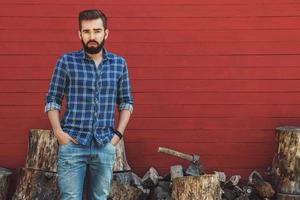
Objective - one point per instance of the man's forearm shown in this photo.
(53, 116)
(124, 117)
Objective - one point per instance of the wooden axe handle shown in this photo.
(175, 153)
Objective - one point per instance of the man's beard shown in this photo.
(93, 50)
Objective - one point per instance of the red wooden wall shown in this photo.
(212, 77)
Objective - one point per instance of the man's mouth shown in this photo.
(92, 43)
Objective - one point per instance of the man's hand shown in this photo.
(115, 140)
(64, 138)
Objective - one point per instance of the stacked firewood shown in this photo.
(192, 183)
(38, 180)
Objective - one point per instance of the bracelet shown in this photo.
(118, 134)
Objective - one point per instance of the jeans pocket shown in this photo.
(112, 145)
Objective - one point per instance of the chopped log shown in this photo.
(161, 191)
(36, 184)
(119, 191)
(263, 188)
(286, 161)
(121, 163)
(176, 171)
(127, 178)
(130, 178)
(42, 150)
(229, 194)
(281, 196)
(150, 179)
(221, 176)
(242, 197)
(4, 182)
(205, 187)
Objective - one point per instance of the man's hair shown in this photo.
(92, 14)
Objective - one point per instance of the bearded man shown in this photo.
(93, 81)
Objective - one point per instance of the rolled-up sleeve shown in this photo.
(57, 86)
(125, 99)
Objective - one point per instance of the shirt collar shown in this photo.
(106, 54)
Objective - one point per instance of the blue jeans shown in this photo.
(74, 160)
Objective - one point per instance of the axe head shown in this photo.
(194, 169)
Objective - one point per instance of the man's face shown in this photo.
(93, 35)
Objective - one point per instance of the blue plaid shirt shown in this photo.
(91, 94)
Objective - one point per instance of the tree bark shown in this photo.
(121, 163)
(4, 182)
(42, 150)
(205, 187)
(36, 185)
(286, 162)
(287, 197)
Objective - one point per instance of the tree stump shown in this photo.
(286, 162)
(42, 150)
(205, 187)
(281, 196)
(4, 182)
(35, 184)
(121, 163)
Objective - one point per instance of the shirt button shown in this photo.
(95, 114)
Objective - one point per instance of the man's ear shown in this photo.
(106, 34)
(79, 35)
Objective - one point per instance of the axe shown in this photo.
(194, 169)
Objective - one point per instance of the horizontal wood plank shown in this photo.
(160, 36)
(170, 10)
(136, 24)
(164, 49)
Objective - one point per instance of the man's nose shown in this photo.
(92, 36)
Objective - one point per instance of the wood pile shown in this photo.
(38, 179)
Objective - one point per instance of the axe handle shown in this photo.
(175, 153)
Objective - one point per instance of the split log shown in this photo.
(281, 196)
(150, 179)
(42, 150)
(286, 162)
(127, 178)
(120, 191)
(4, 182)
(263, 188)
(176, 171)
(130, 178)
(161, 191)
(205, 187)
(36, 184)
